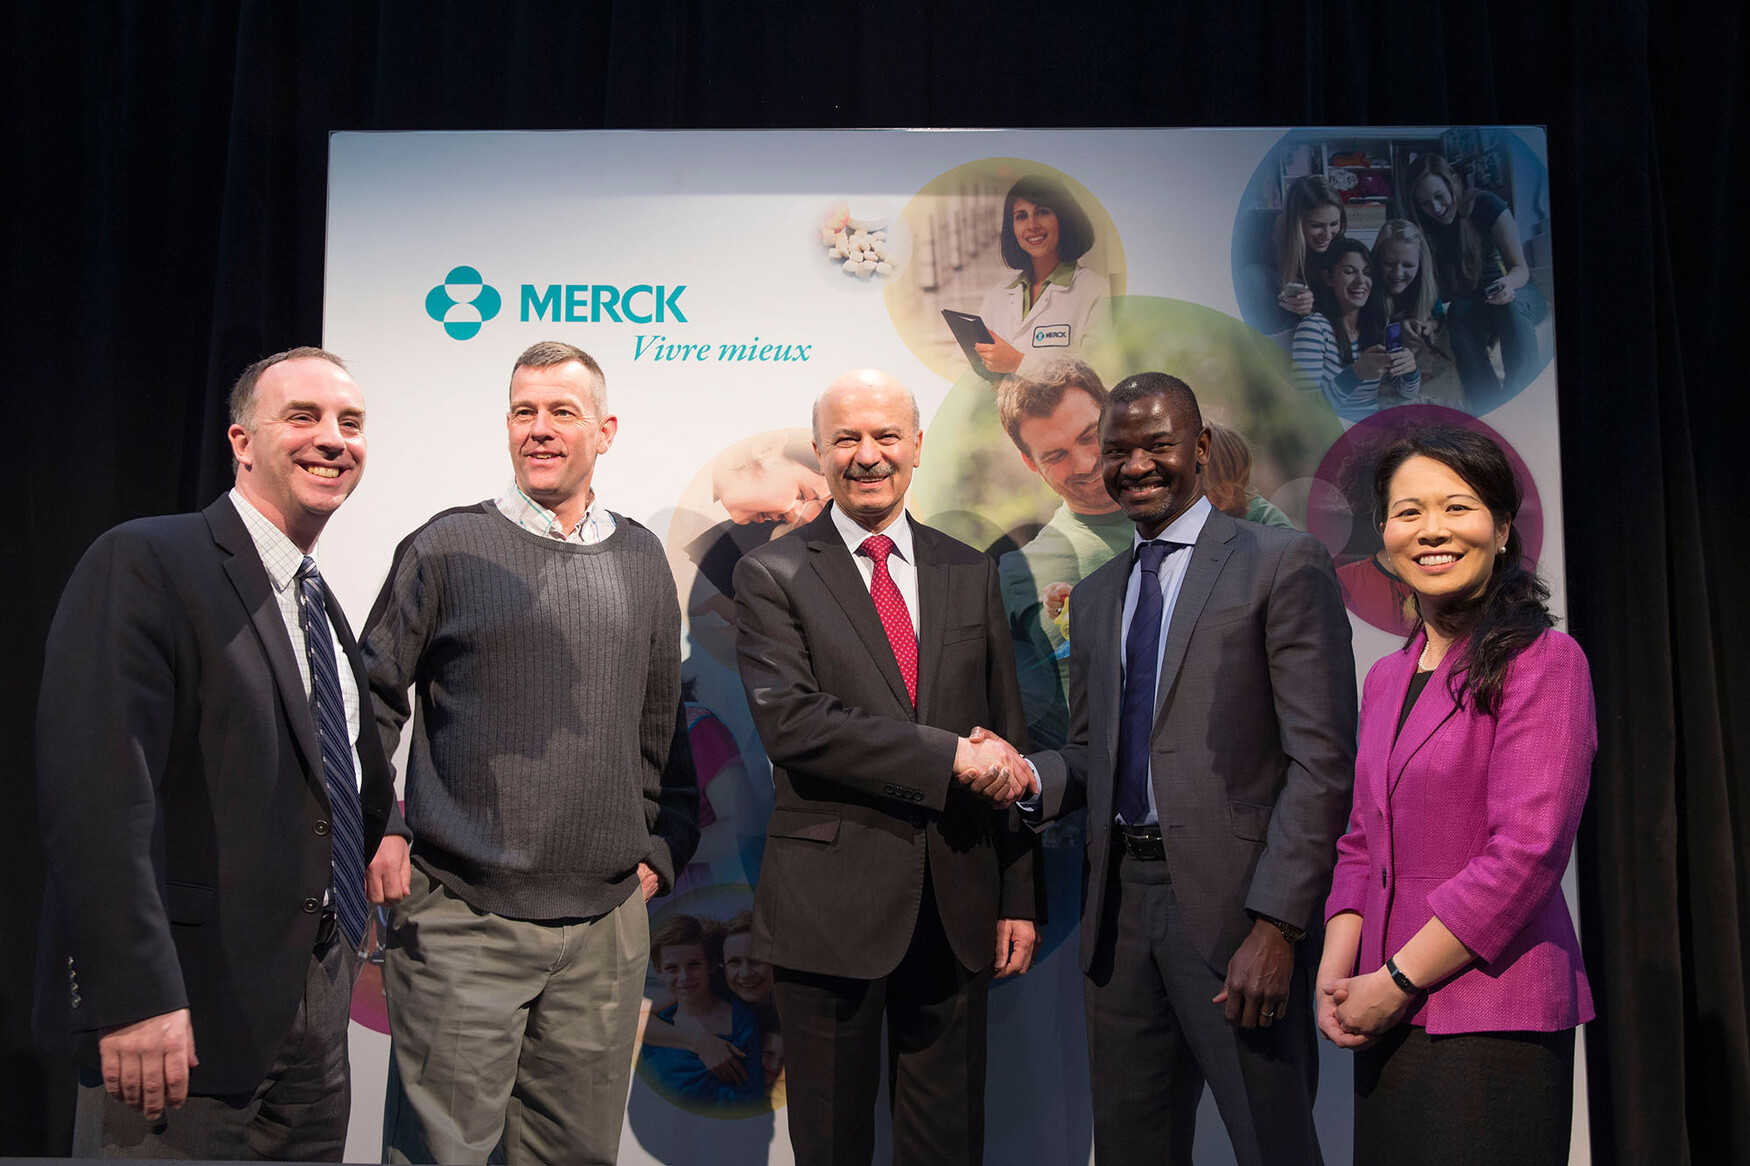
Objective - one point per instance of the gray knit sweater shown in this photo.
(549, 754)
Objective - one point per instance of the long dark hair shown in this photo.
(1075, 231)
(1369, 322)
(1511, 612)
(1468, 262)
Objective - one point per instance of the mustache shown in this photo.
(870, 473)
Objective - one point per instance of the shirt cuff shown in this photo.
(1032, 807)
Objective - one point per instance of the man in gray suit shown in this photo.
(1212, 738)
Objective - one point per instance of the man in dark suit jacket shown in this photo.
(1212, 738)
(184, 800)
(871, 646)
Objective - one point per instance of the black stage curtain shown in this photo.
(164, 227)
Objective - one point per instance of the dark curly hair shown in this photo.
(1369, 321)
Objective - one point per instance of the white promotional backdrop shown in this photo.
(735, 219)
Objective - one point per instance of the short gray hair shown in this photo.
(549, 353)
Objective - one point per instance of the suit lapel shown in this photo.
(932, 616)
(1106, 685)
(832, 562)
(1433, 709)
(249, 577)
(1100, 601)
(1208, 556)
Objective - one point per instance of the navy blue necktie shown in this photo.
(1141, 663)
(328, 710)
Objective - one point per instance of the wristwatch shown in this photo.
(1289, 932)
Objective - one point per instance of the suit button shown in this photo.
(311, 906)
(1382, 876)
(321, 829)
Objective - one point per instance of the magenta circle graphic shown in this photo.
(1340, 512)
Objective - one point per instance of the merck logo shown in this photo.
(462, 302)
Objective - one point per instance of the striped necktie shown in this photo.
(328, 710)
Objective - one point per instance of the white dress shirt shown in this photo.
(282, 559)
(901, 564)
(1183, 529)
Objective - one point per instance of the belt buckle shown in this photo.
(1144, 847)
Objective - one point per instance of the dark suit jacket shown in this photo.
(180, 794)
(865, 789)
(1253, 752)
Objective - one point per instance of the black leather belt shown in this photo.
(1141, 842)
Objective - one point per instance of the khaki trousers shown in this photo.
(510, 1032)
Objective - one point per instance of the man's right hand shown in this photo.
(146, 1063)
(989, 767)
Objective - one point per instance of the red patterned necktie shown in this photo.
(891, 608)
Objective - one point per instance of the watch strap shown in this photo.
(1289, 932)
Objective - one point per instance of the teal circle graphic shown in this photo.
(462, 318)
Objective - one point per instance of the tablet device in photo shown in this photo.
(969, 330)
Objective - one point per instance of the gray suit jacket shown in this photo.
(1253, 752)
(863, 784)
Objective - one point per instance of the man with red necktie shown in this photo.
(895, 884)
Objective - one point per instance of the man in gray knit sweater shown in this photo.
(549, 788)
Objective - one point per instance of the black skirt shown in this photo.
(1502, 1098)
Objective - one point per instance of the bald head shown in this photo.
(869, 437)
(868, 380)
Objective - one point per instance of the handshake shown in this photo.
(990, 767)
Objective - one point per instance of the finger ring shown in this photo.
(1267, 1014)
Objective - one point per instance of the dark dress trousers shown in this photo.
(181, 798)
(1252, 757)
(882, 879)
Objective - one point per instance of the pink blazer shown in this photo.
(1471, 818)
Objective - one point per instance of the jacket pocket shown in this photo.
(1249, 822)
(188, 903)
(809, 825)
(1224, 615)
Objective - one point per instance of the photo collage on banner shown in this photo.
(724, 279)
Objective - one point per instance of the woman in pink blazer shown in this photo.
(1450, 961)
